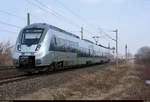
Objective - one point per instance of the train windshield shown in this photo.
(31, 36)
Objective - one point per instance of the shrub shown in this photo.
(143, 58)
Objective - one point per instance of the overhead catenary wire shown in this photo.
(75, 14)
(57, 14)
(34, 17)
(67, 8)
(35, 5)
(51, 12)
(11, 25)
(8, 31)
(31, 3)
(107, 35)
(10, 14)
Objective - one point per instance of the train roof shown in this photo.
(68, 33)
(56, 29)
(104, 46)
(89, 41)
(63, 31)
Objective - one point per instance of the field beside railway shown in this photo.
(95, 83)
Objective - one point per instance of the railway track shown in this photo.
(12, 79)
(8, 74)
(21, 77)
(2, 68)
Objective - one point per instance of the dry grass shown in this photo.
(96, 84)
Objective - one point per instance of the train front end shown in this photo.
(30, 49)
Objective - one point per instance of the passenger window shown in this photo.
(53, 44)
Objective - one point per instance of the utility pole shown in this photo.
(81, 33)
(28, 18)
(116, 31)
(113, 51)
(126, 49)
(109, 47)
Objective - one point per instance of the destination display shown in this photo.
(34, 30)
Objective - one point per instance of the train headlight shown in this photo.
(19, 47)
(38, 47)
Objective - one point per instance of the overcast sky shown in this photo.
(130, 17)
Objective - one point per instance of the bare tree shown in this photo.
(5, 53)
(1, 53)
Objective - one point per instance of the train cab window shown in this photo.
(31, 36)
